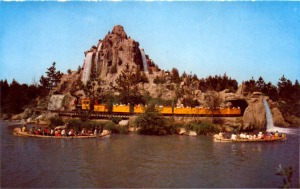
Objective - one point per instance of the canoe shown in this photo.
(217, 138)
(18, 132)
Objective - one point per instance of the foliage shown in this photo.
(287, 93)
(175, 76)
(218, 83)
(159, 80)
(189, 102)
(116, 129)
(213, 100)
(116, 120)
(56, 121)
(201, 127)
(78, 125)
(127, 86)
(74, 123)
(63, 86)
(94, 91)
(15, 96)
(152, 122)
(51, 80)
(84, 115)
(286, 173)
(218, 120)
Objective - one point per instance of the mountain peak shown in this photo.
(119, 30)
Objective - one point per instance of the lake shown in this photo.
(144, 161)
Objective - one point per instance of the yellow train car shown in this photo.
(200, 111)
(123, 109)
(165, 110)
(138, 109)
(100, 108)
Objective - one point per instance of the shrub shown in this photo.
(56, 121)
(203, 127)
(74, 123)
(116, 120)
(78, 125)
(152, 122)
(172, 127)
(114, 128)
(218, 120)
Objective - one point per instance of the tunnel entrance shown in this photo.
(239, 103)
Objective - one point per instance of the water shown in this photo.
(269, 117)
(270, 125)
(87, 67)
(96, 59)
(144, 60)
(144, 161)
(99, 47)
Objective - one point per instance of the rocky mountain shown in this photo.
(116, 50)
(111, 55)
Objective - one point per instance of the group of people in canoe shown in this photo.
(248, 136)
(62, 131)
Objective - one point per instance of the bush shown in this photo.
(116, 129)
(172, 127)
(78, 125)
(56, 121)
(74, 123)
(116, 120)
(218, 120)
(203, 127)
(152, 122)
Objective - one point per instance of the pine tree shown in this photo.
(53, 75)
(51, 80)
(127, 86)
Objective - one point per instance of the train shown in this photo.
(164, 110)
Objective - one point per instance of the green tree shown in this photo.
(94, 91)
(53, 76)
(127, 86)
(260, 84)
(213, 101)
(4, 90)
(285, 87)
(175, 76)
(51, 80)
(151, 122)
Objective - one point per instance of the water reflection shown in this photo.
(143, 161)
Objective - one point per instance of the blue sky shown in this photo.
(241, 39)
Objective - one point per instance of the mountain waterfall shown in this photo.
(145, 65)
(270, 124)
(87, 67)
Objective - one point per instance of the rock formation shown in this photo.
(111, 55)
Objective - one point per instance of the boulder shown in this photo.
(255, 115)
(182, 131)
(192, 133)
(56, 102)
(124, 122)
(278, 119)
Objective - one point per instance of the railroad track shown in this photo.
(98, 115)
